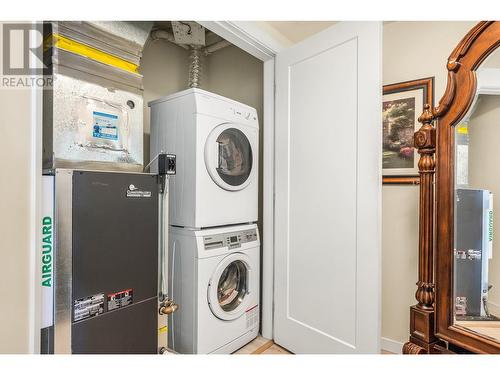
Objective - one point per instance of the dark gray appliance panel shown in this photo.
(131, 330)
(115, 248)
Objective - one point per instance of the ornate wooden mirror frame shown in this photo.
(431, 319)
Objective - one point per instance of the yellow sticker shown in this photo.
(67, 44)
(163, 329)
(463, 130)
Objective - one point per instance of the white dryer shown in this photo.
(214, 278)
(216, 141)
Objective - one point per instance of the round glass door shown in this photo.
(229, 157)
(235, 157)
(232, 286)
(229, 286)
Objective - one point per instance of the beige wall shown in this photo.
(412, 50)
(15, 230)
(165, 69)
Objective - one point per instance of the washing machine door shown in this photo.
(229, 287)
(229, 157)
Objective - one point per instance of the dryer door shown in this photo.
(229, 287)
(229, 157)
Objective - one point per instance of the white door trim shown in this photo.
(259, 41)
(253, 37)
(35, 306)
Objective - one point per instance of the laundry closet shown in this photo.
(156, 170)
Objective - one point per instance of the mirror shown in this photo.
(476, 258)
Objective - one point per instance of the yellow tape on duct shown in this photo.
(81, 49)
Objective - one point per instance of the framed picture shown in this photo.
(402, 104)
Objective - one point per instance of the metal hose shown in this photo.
(195, 66)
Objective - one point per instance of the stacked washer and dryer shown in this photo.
(214, 245)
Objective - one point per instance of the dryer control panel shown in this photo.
(231, 240)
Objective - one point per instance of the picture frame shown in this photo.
(402, 104)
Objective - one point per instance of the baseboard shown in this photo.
(392, 346)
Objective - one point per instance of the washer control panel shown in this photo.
(231, 240)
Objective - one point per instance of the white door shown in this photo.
(328, 192)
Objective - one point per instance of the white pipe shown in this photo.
(216, 46)
(163, 34)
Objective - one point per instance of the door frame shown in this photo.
(253, 37)
(258, 40)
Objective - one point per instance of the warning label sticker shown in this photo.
(120, 299)
(88, 307)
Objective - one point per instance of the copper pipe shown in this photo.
(168, 309)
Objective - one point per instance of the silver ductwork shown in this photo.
(93, 114)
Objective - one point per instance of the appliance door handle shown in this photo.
(249, 275)
(217, 155)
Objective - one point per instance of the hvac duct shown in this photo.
(93, 114)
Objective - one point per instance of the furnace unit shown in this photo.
(106, 263)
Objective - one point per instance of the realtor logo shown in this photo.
(22, 49)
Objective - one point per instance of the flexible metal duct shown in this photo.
(195, 56)
(195, 67)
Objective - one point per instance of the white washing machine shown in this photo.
(216, 141)
(214, 278)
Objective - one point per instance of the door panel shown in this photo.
(328, 186)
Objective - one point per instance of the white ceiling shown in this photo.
(296, 31)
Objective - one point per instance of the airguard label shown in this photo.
(45, 258)
(47, 232)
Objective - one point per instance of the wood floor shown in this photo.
(260, 345)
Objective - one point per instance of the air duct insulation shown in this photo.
(93, 113)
